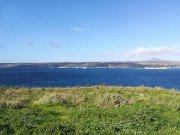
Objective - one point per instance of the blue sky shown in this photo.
(89, 30)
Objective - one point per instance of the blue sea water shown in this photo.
(62, 77)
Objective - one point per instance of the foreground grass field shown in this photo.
(89, 110)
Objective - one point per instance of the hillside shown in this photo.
(89, 110)
(126, 64)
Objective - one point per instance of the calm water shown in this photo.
(55, 77)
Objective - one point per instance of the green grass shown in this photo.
(89, 110)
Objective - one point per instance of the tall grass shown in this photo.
(89, 110)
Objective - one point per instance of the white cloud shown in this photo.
(153, 51)
(78, 29)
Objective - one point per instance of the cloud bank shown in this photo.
(153, 51)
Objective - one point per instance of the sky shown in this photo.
(89, 30)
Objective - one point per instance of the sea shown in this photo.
(69, 77)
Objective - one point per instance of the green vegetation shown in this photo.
(89, 110)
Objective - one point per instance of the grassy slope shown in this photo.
(89, 110)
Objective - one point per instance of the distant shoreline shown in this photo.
(126, 64)
(147, 68)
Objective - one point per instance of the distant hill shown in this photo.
(154, 59)
(152, 63)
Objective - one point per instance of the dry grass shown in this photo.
(104, 96)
